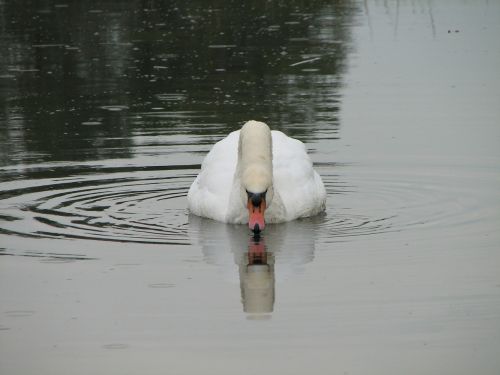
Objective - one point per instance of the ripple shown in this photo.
(161, 285)
(148, 205)
(114, 108)
(129, 208)
(47, 257)
(115, 346)
(392, 200)
(19, 313)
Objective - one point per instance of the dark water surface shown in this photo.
(107, 110)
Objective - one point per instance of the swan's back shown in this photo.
(210, 191)
(298, 184)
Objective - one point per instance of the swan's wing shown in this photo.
(210, 191)
(297, 183)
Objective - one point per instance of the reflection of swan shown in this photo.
(257, 278)
(287, 248)
(255, 174)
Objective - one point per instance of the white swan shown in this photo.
(254, 176)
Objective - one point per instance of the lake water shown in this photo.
(107, 110)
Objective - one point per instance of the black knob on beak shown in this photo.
(256, 229)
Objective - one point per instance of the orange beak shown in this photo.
(256, 216)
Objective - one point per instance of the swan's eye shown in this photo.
(256, 198)
(264, 195)
(249, 195)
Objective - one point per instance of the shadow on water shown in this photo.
(83, 81)
(106, 107)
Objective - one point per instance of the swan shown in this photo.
(257, 176)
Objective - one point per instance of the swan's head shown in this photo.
(255, 161)
(258, 196)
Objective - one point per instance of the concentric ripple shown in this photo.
(131, 207)
(452, 201)
(148, 205)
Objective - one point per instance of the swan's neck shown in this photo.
(255, 157)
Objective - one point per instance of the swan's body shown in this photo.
(256, 169)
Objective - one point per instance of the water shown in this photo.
(107, 111)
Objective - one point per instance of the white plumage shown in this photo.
(295, 189)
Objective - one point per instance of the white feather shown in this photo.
(297, 190)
